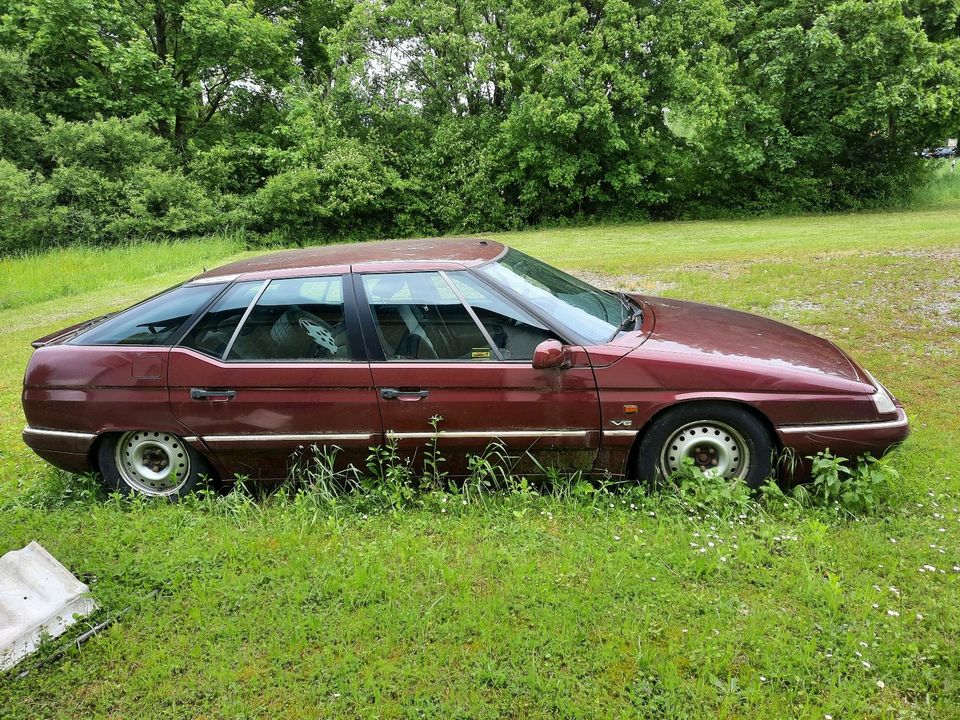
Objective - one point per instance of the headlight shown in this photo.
(882, 399)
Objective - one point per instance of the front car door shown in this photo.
(274, 369)
(449, 351)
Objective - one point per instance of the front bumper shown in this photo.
(847, 439)
(63, 448)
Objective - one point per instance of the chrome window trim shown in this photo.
(473, 315)
(243, 319)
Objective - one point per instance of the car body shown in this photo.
(463, 340)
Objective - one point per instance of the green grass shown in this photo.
(525, 606)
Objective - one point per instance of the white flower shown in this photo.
(919, 616)
(616, 537)
(762, 679)
(828, 717)
(723, 559)
(865, 664)
(653, 579)
(880, 684)
(893, 613)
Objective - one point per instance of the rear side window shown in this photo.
(153, 322)
(296, 319)
(213, 331)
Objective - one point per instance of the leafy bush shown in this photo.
(25, 221)
(163, 204)
(347, 195)
(114, 147)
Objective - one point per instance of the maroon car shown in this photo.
(353, 346)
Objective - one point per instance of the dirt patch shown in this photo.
(626, 283)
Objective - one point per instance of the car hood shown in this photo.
(686, 328)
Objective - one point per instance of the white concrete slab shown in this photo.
(38, 596)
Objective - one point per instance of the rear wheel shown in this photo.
(151, 463)
(721, 439)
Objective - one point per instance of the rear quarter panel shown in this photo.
(98, 389)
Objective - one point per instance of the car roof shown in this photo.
(419, 254)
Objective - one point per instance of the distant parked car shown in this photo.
(237, 370)
(940, 152)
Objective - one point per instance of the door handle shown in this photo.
(203, 394)
(406, 395)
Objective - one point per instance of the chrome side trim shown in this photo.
(620, 433)
(325, 437)
(841, 427)
(58, 433)
(488, 434)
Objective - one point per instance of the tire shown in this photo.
(150, 463)
(719, 437)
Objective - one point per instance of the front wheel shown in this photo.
(720, 439)
(151, 463)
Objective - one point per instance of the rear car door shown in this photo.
(447, 349)
(272, 370)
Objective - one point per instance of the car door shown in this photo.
(465, 365)
(272, 370)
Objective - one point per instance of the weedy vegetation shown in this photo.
(398, 591)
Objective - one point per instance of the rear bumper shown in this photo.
(847, 439)
(62, 448)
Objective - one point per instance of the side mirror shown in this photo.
(551, 354)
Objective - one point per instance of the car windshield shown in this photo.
(593, 314)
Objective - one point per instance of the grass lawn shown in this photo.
(526, 606)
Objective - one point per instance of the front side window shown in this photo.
(299, 319)
(213, 331)
(153, 322)
(419, 317)
(514, 331)
(591, 313)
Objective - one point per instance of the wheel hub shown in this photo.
(153, 463)
(714, 447)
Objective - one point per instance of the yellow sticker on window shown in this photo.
(480, 353)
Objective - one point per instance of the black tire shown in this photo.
(168, 450)
(715, 416)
